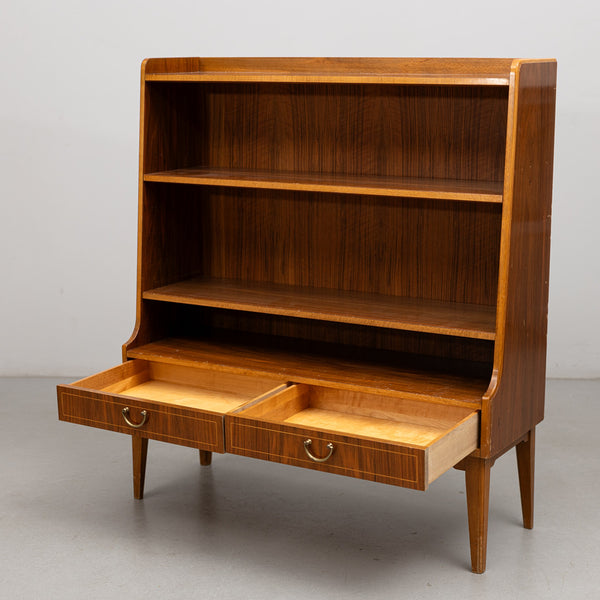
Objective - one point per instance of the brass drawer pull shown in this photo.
(125, 413)
(307, 445)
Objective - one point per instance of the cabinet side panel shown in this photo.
(172, 238)
(518, 403)
(171, 125)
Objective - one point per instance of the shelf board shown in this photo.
(354, 78)
(412, 71)
(375, 310)
(391, 377)
(405, 187)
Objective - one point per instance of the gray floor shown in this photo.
(247, 529)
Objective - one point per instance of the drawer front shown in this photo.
(168, 424)
(386, 463)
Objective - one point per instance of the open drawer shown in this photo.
(391, 440)
(171, 403)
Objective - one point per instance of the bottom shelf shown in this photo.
(384, 373)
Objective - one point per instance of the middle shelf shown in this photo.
(406, 187)
(376, 310)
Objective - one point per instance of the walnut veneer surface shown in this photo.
(342, 265)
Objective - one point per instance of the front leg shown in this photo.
(139, 446)
(477, 479)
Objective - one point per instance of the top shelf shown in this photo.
(411, 71)
(365, 78)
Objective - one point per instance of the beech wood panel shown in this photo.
(385, 429)
(464, 320)
(362, 373)
(444, 189)
(514, 403)
(432, 417)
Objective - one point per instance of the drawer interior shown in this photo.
(179, 385)
(408, 422)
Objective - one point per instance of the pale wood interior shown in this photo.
(411, 423)
(385, 429)
(186, 395)
(190, 387)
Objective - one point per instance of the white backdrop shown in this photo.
(69, 99)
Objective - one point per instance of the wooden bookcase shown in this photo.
(343, 266)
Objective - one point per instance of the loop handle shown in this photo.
(307, 445)
(125, 413)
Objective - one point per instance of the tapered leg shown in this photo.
(526, 464)
(139, 446)
(477, 478)
(205, 457)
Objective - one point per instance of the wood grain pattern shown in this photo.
(352, 457)
(307, 412)
(434, 133)
(217, 76)
(139, 451)
(181, 426)
(526, 465)
(360, 374)
(477, 479)
(186, 395)
(143, 328)
(459, 441)
(413, 248)
(415, 424)
(184, 406)
(424, 132)
(116, 379)
(470, 71)
(384, 228)
(463, 320)
(409, 432)
(443, 189)
(434, 417)
(205, 458)
(514, 403)
(459, 354)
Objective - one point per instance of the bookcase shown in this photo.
(343, 266)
